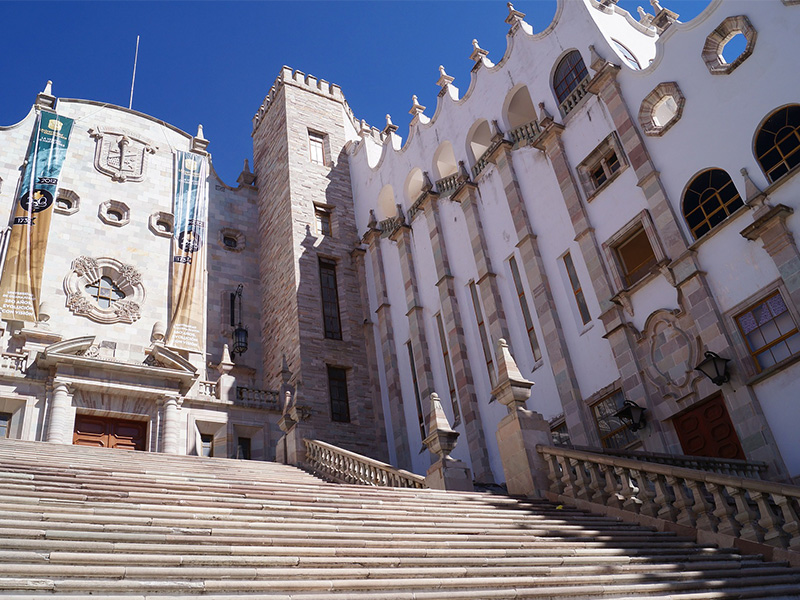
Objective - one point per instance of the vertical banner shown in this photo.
(21, 283)
(187, 325)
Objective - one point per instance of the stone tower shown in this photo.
(313, 314)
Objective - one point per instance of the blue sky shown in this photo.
(213, 62)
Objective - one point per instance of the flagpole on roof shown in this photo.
(133, 79)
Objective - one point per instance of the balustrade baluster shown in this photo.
(770, 522)
(567, 477)
(745, 516)
(791, 524)
(581, 489)
(555, 474)
(646, 495)
(704, 517)
(682, 502)
(613, 498)
(664, 499)
(627, 490)
(596, 483)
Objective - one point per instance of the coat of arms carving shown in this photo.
(120, 155)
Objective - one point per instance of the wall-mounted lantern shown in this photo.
(239, 333)
(715, 368)
(632, 414)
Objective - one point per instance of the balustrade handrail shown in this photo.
(718, 465)
(345, 466)
(754, 510)
(575, 96)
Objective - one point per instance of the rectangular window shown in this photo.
(451, 384)
(323, 217)
(576, 289)
(770, 331)
(417, 398)
(614, 432)
(207, 441)
(5, 424)
(243, 448)
(601, 166)
(337, 387)
(636, 256)
(526, 313)
(316, 147)
(330, 299)
(487, 348)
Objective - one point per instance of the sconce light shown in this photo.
(715, 368)
(239, 333)
(632, 414)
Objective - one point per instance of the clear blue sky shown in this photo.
(213, 62)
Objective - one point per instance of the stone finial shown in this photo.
(514, 17)
(663, 17)
(373, 220)
(495, 128)
(463, 172)
(246, 177)
(44, 312)
(45, 98)
(199, 142)
(200, 132)
(226, 363)
(416, 108)
(401, 215)
(159, 332)
(390, 127)
(441, 438)
(596, 62)
(544, 114)
(751, 191)
(48, 88)
(427, 184)
(512, 388)
(246, 167)
(479, 55)
(444, 78)
(656, 6)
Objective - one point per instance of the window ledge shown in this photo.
(597, 191)
(770, 371)
(729, 219)
(786, 177)
(537, 364)
(654, 272)
(586, 328)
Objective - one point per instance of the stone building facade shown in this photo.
(613, 197)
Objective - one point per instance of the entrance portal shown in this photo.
(104, 432)
(707, 430)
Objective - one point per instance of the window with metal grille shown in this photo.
(417, 398)
(523, 304)
(605, 168)
(105, 292)
(777, 143)
(448, 368)
(577, 291)
(614, 432)
(710, 198)
(316, 147)
(337, 388)
(323, 217)
(487, 347)
(569, 73)
(770, 331)
(330, 299)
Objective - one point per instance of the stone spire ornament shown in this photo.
(479, 55)
(444, 79)
(390, 127)
(441, 438)
(199, 142)
(446, 473)
(45, 98)
(246, 177)
(416, 108)
(514, 17)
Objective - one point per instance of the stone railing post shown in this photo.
(520, 431)
(170, 429)
(226, 384)
(446, 473)
(291, 449)
(59, 423)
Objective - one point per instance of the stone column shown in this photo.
(60, 421)
(520, 431)
(170, 424)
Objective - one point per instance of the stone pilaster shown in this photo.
(383, 314)
(170, 424)
(59, 425)
(554, 341)
(454, 330)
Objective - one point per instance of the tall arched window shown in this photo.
(710, 198)
(569, 73)
(777, 144)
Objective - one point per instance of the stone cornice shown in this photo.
(774, 215)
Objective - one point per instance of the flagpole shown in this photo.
(133, 79)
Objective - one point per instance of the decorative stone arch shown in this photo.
(415, 184)
(518, 108)
(661, 108)
(387, 207)
(444, 161)
(86, 271)
(711, 187)
(715, 43)
(479, 138)
(772, 142)
(560, 68)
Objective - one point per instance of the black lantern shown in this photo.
(715, 368)
(239, 332)
(632, 414)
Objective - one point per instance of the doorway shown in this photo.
(707, 430)
(105, 432)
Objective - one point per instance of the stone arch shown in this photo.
(479, 139)
(518, 109)
(776, 143)
(415, 185)
(444, 161)
(568, 72)
(387, 207)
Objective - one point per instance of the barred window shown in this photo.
(330, 299)
(105, 292)
(710, 199)
(770, 331)
(448, 368)
(569, 73)
(778, 142)
(487, 348)
(614, 432)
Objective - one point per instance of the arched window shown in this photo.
(777, 144)
(569, 73)
(710, 198)
(629, 57)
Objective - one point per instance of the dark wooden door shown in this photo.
(707, 430)
(103, 432)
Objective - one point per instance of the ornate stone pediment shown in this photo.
(121, 156)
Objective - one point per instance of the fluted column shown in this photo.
(170, 424)
(58, 426)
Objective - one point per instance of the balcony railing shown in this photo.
(252, 398)
(447, 185)
(575, 96)
(16, 363)
(389, 226)
(526, 133)
(207, 388)
(749, 509)
(343, 466)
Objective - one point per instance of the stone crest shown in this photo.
(121, 156)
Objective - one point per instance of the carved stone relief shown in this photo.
(121, 156)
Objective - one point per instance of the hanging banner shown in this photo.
(21, 283)
(187, 325)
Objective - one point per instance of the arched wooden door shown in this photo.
(104, 432)
(707, 430)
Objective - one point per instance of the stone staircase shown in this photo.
(77, 522)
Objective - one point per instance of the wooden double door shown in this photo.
(105, 432)
(707, 430)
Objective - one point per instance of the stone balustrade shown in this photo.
(16, 363)
(747, 509)
(389, 226)
(207, 388)
(575, 96)
(343, 466)
(253, 398)
(447, 185)
(526, 133)
(483, 160)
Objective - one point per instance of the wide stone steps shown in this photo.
(83, 522)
